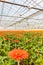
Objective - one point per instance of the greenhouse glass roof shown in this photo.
(13, 12)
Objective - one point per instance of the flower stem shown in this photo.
(18, 62)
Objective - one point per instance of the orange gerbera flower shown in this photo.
(18, 54)
(16, 41)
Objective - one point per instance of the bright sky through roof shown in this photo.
(17, 11)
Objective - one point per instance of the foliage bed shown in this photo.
(31, 42)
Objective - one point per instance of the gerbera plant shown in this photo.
(18, 55)
(26, 48)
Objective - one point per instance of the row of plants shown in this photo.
(21, 49)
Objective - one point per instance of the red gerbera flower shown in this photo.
(16, 41)
(18, 54)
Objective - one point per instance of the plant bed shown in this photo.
(31, 42)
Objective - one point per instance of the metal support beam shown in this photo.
(12, 16)
(13, 3)
(23, 19)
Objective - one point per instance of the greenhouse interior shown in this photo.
(21, 32)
